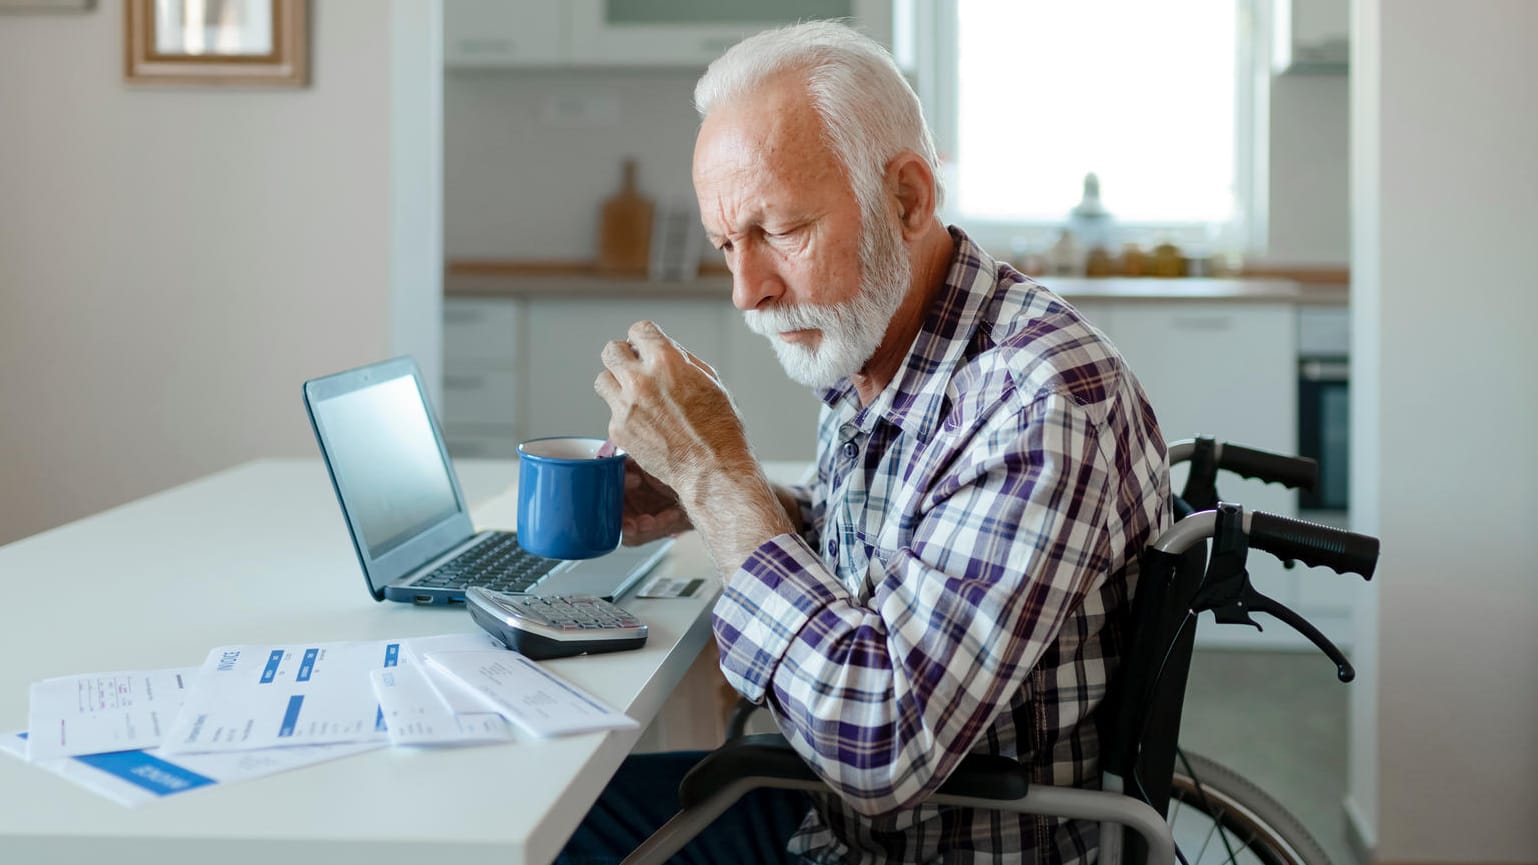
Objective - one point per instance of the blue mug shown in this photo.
(570, 499)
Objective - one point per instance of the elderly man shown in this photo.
(955, 574)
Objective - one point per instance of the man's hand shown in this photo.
(689, 459)
(668, 409)
(652, 509)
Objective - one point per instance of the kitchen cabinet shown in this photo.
(1311, 36)
(522, 368)
(1229, 370)
(695, 32)
(504, 33)
(684, 33)
(481, 372)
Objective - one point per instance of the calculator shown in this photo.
(554, 626)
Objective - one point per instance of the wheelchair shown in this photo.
(1150, 790)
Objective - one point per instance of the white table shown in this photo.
(259, 554)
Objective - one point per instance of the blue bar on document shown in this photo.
(307, 665)
(146, 771)
(392, 654)
(271, 670)
(291, 716)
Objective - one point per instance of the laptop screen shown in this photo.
(386, 462)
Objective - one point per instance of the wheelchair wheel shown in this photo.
(1227, 819)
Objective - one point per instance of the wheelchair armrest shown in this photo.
(770, 758)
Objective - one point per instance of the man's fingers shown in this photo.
(644, 528)
(645, 331)
(616, 353)
(607, 387)
(649, 340)
(694, 359)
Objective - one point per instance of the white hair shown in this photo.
(868, 110)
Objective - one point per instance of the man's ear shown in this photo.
(912, 183)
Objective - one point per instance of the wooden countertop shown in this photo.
(491, 279)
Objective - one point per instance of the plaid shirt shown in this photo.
(973, 540)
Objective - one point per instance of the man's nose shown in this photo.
(755, 278)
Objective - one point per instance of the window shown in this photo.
(1156, 97)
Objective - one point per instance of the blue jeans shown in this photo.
(644, 794)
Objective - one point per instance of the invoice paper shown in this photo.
(133, 778)
(456, 696)
(249, 697)
(93, 713)
(530, 696)
(414, 715)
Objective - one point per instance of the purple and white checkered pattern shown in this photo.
(964, 584)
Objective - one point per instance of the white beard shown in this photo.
(851, 330)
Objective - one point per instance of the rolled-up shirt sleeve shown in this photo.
(883, 697)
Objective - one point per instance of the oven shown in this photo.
(1324, 405)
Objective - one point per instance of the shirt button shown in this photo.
(833, 547)
(851, 449)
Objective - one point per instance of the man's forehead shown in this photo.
(749, 163)
(739, 196)
(776, 118)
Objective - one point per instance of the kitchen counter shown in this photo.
(1240, 289)
(483, 280)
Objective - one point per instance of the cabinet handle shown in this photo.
(462, 316)
(486, 45)
(1324, 370)
(1204, 322)
(462, 382)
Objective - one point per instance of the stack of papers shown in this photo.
(248, 711)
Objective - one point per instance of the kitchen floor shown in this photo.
(1279, 719)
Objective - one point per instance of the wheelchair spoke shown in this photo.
(1202, 853)
(1210, 801)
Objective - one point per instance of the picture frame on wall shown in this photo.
(263, 43)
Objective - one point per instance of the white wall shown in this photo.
(415, 185)
(1445, 414)
(1309, 213)
(175, 261)
(530, 155)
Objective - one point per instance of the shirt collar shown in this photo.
(913, 398)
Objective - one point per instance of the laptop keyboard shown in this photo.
(495, 563)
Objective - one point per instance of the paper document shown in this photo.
(249, 697)
(93, 713)
(133, 778)
(456, 696)
(414, 715)
(530, 696)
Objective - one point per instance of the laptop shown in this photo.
(403, 506)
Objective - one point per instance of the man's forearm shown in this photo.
(736, 510)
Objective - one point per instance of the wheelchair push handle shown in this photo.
(1283, 537)
(1225, 587)
(1313, 544)
(1299, 473)
(1292, 472)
